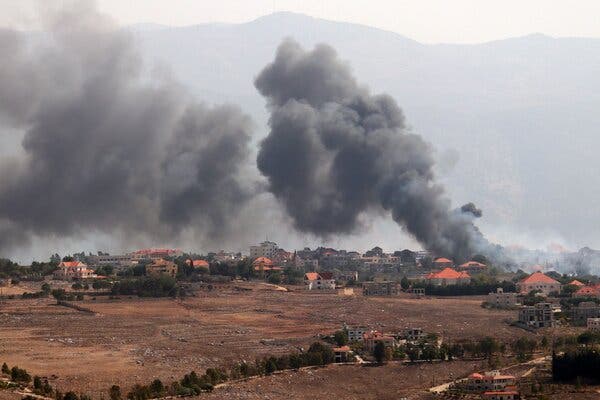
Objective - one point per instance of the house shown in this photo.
(540, 315)
(161, 267)
(265, 265)
(448, 276)
(68, 270)
(584, 311)
(198, 264)
(341, 354)
(489, 381)
(587, 291)
(501, 395)
(575, 282)
(386, 288)
(539, 281)
(499, 299)
(355, 333)
(593, 324)
(442, 262)
(472, 267)
(370, 340)
(319, 281)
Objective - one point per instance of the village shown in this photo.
(497, 328)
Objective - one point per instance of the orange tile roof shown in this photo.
(587, 290)
(311, 276)
(538, 277)
(263, 261)
(575, 282)
(72, 264)
(448, 273)
(473, 264)
(442, 260)
(200, 263)
(341, 349)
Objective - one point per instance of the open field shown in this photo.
(135, 340)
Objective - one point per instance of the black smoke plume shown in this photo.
(335, 152)
(106, 149)
(472, 209)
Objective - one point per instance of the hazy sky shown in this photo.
(430, 21)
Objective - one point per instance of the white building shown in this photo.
(499, 299)
(319, 281)
(265, 249)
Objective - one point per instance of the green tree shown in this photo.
(46, 289)
(341, 338)
(404, 283)
(37, 382)
(70, 396)
(379, 352)
(488, 346)
(114, 393)
(5, 369)
(157, 388)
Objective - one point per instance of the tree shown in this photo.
(341, 338)
(37, 382)
(404, 283)
(70, 396)
(46, 289)
(488, 346)
(157, 388)
(114, 392)
(379, 352)
(5, 369)
(274, 278)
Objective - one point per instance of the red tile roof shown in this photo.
(575, 282)
(200, 263)
(262, 261)
(311, 276)
(72, 264)
(341, 349)
(538, 277)
(448, 273)
(471, 264)
(442, 260)
(587, 291)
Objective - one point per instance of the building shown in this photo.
(501, 395)
(472, 267)
(355, 333)
(319, 281)
(386, 288)
(584, 311)
(540, 282)
(198, 264)
(587, 291)
(414, 334)
(442, 262)
(155, 254)
(265, 249)
(341, 354)
(593, 324)
(540, 315)
(575, 282)
(370, 340)
(448, 276)
(499, 299)
(68, 270)
(489, 381)
(161, 267)
(118, 261)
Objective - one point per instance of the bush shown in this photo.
(5, 369)
(114, 392)
(19, 375)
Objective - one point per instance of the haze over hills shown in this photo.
(514, 121)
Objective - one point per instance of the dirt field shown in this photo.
(135, 340)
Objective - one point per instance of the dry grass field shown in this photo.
(135, 340)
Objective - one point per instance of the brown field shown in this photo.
(135, 340)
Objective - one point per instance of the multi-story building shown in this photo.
(355, 333)
(161, 267)
(540, 282)
(68, 270)
(265, 249)
(540, 315)
(119, 260)
(490, 381)
(499, 299)
(414, 334)
(584, 311)
(386, 288)
(370, 339)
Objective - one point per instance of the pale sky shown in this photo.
(428, 21)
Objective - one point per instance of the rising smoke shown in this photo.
(336, 152)
(105, 150)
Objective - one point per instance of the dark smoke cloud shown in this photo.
(335, 152)
(106, 150)
(472, 209)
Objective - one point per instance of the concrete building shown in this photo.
(341, 354)
(265, 249)
(69, 270)
(540, 315)
(117, 261)
(501, 395)
(370, 339)
(155, 254)
(386, 288)
(319, 281)
(414, 334)
(161, 267)
(499, 299)
(489, 381)
(584, 311)
(355, 333)
(539, 281)
(448, 276)
(593, 324)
